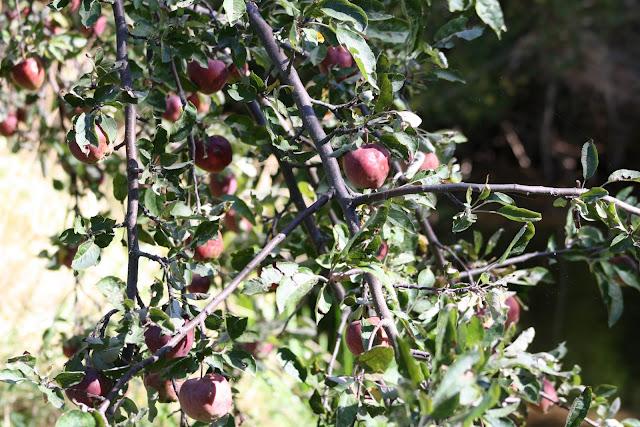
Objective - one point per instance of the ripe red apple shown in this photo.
(93, 384)
(202, 105)
(65, 255)
(231, 222)
(354, 336)
(213, 154)
(367, 166)
(10, 124)
(383, 250)
(173, 108)
(257, 349)
(71, 346)
(199, 284)
(96, 153)
(236, 74)
(220, 184)
(210, 79)
(28, 74)
(513, 314)
(156, 339)
(546, 404)
(206, 399)
(210, 250)
(338, 57)
(430, 162)
(96, 29)
(164, 387)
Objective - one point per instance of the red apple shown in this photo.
(367, 166)
(199, 284)
(430, 162)
(164, 387)
(213, 154)
(173, 108)
(210, 79)
(257, 349)
(231, 222)
(383, 250)
(10, 125)
(28, 74)
(513, 314)
(338, 57)
(546, 404)
(156, 339)
(65, 255)
(222, 184)
(202, 105)
(210, 250)
(96, 153)
(206, 399)
(71, 346)
(96, 29)
(236, 74)
(93, 384)
(354, 336)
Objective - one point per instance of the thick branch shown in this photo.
(215, 301)
(505, 188)
(131, 217)
(316, 132)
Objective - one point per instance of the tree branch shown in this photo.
(319, 137)
(215, 301)
(505, 188)
(514, 260)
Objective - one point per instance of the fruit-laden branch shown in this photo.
(379, 196)
(131, 218)
(215, 301)
(190, 138)
(313, 127)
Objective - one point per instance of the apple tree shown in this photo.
(271, 172)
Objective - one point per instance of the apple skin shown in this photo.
(97, 29)
(213, 154)
(10, 125)
(231, 222)
(202, 105)
(210, 250)
(222, 184)
(257, 349)
(199, 284)
(156, 339)
(65, 255)
(513, 314)
(367, 166)
(96, 153)
(93, 383)
(28, 74)
(338, 57)
(164, 387)
(430, 162)
(354, 336)
(546, 404)
(71, 346)
(210, 79)
(383, 250)
(173, 108)
(206, 399)
(236, 74)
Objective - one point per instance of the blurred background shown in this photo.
(565, 72)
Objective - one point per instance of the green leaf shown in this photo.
(594, 194)
(377, 359)
(624, 175)
(113, 289)
(109, 127)
(67, 379)
(292, 289)
(407, 364)
(515, 213)
(236, 326)
(579, 408)
(455, 379)
(85, 131)
(589, 159)
(120, 187)
(291, 365)
(519, 242)
(361, 52)
(490, 398)
(76, 418)
(90, 11)
(491, 14)
(87, 256)
(234, 9)
(344, 10)
(347, 410)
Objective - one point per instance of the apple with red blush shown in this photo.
(163, 386)
(213, 154)
(94, 153)
(367, 166)
(221, 184)
(155, 339)
(28, 74)
(354, 336)
(9, 125)
(173, 108)
(206, 399)
(93, 384)
(201, 103)
(208, 79)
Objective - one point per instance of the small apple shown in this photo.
(173, 108)
(96, 153)
(209, 250)
(71, 346)
(156, 339)
(354, 336)
(546, 404)
(338, 57)
(383, 250)
(430, 162)
(220, 184)
(367, 166)
(199, 284)
(28, 74)
(513, 314)
(93, 384)
(201, 103)
(164, 387)
(96, 29)
(231, 222)
(206, 399)
(236, 74)
(213, 154)
(257, 349)
(9, 125)
(210, 79)
(65, 255)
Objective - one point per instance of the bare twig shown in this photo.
(514, 260)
